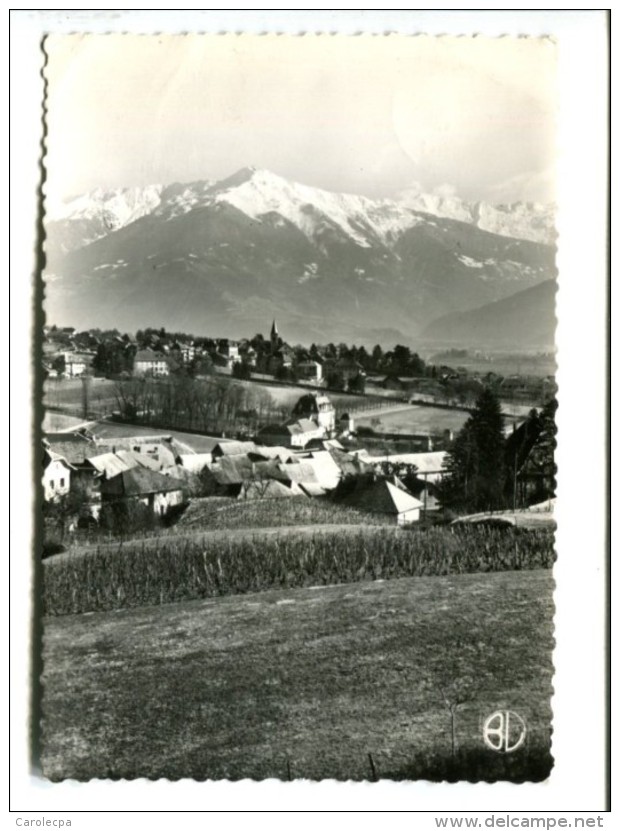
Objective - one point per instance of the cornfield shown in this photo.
(166, 571)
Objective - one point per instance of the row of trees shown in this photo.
(211, 405)
(488, 471)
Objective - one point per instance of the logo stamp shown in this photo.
(504, 731)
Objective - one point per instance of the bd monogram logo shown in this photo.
(504, 731)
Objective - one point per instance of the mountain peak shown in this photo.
(245, 174)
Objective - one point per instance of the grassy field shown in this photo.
(304, 683)
(164, 570)
(414, 420)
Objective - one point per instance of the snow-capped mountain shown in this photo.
(93, 215)
(222, 257)
(522, 220)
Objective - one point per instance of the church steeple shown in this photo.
(275, 337)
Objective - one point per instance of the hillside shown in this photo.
(525, 319)
(303, 683)
(221, 259)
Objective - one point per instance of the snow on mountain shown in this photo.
(118, 207)
(260, 192)
(522, 220)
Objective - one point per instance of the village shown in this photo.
(124, 480)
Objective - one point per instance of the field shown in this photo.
(59, 422)
(346, 682)
(414, 419)
(67, 393)
(500, 363)
(287, 396)
(171, 569)
(222, 513)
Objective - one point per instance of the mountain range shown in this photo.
(224, 258)
(501, 323)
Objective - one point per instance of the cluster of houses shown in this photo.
(160, 472)
(71, 354)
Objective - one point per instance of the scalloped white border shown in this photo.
(578, 778)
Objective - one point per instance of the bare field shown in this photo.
(59, 422)
(302, 683)
(287, 396)
(502, 364)
(414, 419)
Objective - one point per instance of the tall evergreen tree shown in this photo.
(475, 462)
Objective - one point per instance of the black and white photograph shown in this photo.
(298, 383)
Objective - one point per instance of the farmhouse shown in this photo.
(430, 466)
(159, 449)
(74, 447)
(381, 496)
(317, 407)
(228, 349)
(232, 448)
(147, 487)
(349, 368)
(264, 452)
(76, 364)
(56, 475)
(195, 462)
(310, 371)
(147, 362)
(325, 469)
(293, 433)
(268, 489)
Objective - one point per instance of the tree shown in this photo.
(241, 371)
(475, 462)
(59, 364)
(363, 358)
(357, 383)
(335, 380)
(377, 358)
(529, 458)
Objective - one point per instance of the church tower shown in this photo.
(275, 337)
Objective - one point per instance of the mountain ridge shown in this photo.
(110, 209)
(220, 257)
(521, 319)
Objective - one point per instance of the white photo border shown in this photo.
(578, 781)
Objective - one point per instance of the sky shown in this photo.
(365, 114)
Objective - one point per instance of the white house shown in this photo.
(152, 363)
(317, 407)
(75, 365)
(310, 371)
(56, 475)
